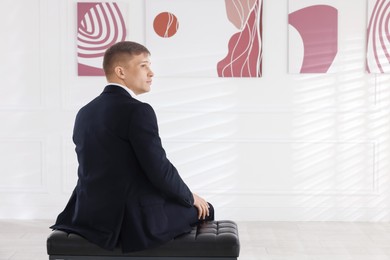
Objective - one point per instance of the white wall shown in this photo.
(280, 147)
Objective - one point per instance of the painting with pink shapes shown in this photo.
(99, 25)
(202, 38)
(313, 36)
(378, 37)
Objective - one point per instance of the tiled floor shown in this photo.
(23, 239)
(259, 240)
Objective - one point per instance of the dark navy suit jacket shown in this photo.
(127, 189)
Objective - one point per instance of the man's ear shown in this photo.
(119, 72)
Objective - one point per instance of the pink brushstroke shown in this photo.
(245, 53)
(238, 11)
(317, 26)
(89, 70)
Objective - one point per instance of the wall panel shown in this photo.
(21, 69)
(279, 147)
(22, 166)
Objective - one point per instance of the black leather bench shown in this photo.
(213, 240)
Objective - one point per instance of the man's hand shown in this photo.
(201, 205)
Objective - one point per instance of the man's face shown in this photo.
(137, 74)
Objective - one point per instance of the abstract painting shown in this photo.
(378, 37)
(313, 36)
(202, 38)
(99, 25)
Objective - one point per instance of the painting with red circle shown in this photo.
(165, 24)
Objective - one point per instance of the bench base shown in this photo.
(67, 257)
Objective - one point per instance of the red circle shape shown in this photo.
(165, 24)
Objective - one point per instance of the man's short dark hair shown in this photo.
(121, 51)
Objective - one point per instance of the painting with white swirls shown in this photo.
(99, 25)
(378, 37)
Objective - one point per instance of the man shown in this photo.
(128, 192)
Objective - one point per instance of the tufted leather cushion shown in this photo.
(209, 239)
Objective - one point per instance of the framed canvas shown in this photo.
(202, 38)
(313, 36)
(378, 36)
(99, 25)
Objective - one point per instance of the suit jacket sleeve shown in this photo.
(145, 140)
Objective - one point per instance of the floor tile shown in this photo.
(26, 239)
